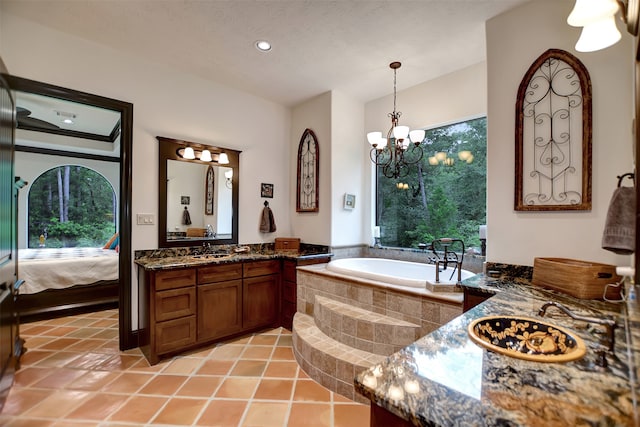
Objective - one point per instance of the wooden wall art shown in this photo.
(553, 135)
(307, 178)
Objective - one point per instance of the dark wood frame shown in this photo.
(314, 139)
(168, 150)
(84, 298)
(585, 82)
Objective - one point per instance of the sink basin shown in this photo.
(211, 256)
(526, 338)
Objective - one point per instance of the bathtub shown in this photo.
(400, 273)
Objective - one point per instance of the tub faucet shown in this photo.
(609, 323)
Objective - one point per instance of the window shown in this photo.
(71, 206)
(444, 194)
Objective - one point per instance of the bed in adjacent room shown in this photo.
(57, 279)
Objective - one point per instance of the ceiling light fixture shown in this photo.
(263, 46)
(66, 117)
(396, 153)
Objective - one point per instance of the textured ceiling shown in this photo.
(318, 45)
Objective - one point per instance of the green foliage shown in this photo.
(86, 217)
(455, 196)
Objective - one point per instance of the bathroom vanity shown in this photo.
(445, 378)
(191, 300)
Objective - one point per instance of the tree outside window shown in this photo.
(444, 194)
(71, 206)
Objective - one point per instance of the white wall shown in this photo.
(514, 41)
(451, 98)
(315, 114)
(347, 170)
(30, 166)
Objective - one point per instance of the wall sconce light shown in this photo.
(597, 19)
(228, 175)
(204, 155)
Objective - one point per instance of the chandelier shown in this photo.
(401, 147)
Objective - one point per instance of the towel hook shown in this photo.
(266, 204)
(629, 175)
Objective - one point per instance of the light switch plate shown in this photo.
(144, 219)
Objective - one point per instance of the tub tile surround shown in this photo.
(344, 325)
(461, 383)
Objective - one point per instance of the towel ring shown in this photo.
(629, 175)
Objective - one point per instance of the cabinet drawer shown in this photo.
(175, 334)
(175, 303)
(172, 279)
(219, 273)
(261, 268)
(289, 271)
(289, 291)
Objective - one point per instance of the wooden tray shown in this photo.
(581, 279)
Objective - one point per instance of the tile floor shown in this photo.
(74, 375)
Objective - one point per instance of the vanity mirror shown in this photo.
(198, 198)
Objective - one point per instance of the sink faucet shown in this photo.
(608, 323)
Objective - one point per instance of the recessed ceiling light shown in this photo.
(263, 46)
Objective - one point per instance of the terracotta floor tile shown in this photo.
(248, 368)
(282, 353)
(165, 385)
(251, 381)
(264, 340)
(269, 389)
(281, 369)
(92, 381)
(59, 378)
(58, 404)
(223, 413)
(127, 382)
(309, 390)
(98, 407)
(180, 411)
(310, 415)
(354, 415)
(20, 401)
(27, 376)
(183, 365)
(227, 352)
(237, 388)
(200, 386)
(215, 367)
(264, 414)
(139, 409)
(257, 352)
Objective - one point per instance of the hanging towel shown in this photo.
(267, 221)
(186, 218)
(620, 226)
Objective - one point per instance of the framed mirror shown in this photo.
(198, 194)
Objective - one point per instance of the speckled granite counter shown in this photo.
(169, 258)
(446, 379)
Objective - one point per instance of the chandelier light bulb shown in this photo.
(400, 132)
(417, 136)
(374, 138)
(382, 142)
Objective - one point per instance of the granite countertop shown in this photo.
(169, 258)
(446, 379)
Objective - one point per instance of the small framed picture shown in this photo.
(349, 201)
(185, 200)
(266, 190)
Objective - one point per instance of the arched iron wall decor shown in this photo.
(308, 167)
(553, 135)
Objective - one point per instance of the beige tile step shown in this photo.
(363, 329)
(329, 362)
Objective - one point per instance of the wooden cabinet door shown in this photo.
(261, 304)
(219, 309)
